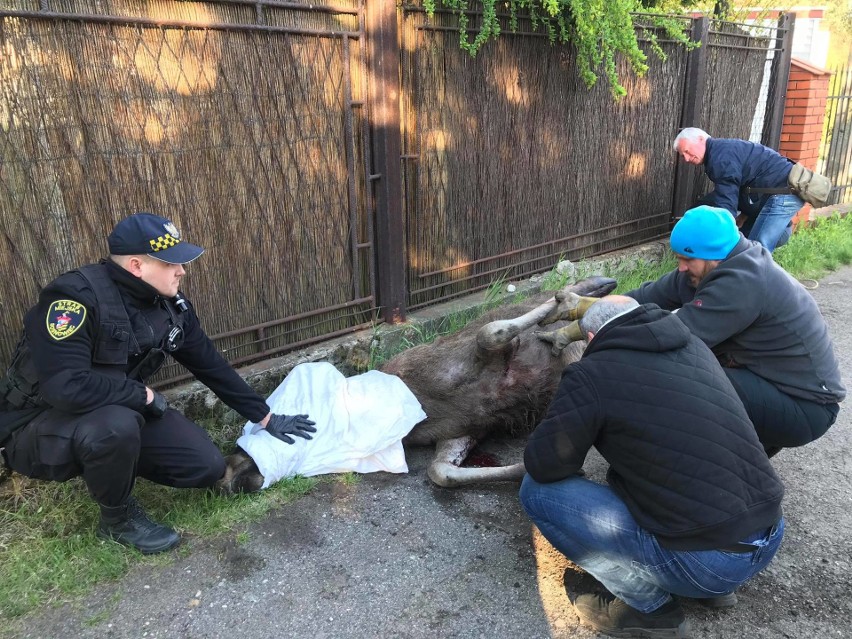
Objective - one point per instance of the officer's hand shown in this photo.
(158, 404)
(281, 426)
(562, 337)
(569, 306)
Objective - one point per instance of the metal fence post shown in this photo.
(383, 45)
(693, 96)
(778, 82)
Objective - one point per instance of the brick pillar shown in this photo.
(804, 112)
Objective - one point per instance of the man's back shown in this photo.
(684, 456)
(733, 164)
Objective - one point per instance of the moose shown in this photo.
(495, 375)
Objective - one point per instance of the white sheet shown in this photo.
(360, 424)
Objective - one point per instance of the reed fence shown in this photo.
(341, 163)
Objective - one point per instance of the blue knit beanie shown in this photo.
(706, 233)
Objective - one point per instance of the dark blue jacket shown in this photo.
(656, 404)
(735, 165)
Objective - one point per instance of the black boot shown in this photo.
(613, 617)
(130, 526)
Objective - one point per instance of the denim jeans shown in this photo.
(590, 525)
(774, 223)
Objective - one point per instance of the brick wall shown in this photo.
(804, 112)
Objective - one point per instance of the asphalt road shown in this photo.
(393, 556)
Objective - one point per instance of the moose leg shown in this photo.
(445, 469)
(495, 336)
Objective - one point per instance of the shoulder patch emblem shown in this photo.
(64, 317)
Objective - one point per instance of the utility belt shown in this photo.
(19, 398)
(808, 186)
(19, 387)
(781, 190)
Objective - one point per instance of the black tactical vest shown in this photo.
(19, 388)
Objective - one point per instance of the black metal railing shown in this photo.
(835, 156)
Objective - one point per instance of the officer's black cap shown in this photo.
(149, 234)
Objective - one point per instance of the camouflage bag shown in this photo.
(811, 187)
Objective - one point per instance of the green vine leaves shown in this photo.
(600, 30)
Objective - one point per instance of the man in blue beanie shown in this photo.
(763, 326)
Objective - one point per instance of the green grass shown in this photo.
(628, 277)
(426, 333)
(49, 552)
(818, 249)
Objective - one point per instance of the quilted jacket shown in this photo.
(683, 455)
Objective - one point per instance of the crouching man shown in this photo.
(693, 506)
(75, 399)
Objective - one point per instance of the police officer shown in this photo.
(74, 401)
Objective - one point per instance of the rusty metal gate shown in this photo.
(736, 84)
(244, 121)
(342, 163)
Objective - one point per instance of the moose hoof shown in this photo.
(241, 475)
(443, 474)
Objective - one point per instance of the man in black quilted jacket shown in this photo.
(692, 507)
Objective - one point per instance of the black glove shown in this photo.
(157, 407)
(282, 425)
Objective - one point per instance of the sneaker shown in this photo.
(611, 616)
(129, 526)
(722, 601)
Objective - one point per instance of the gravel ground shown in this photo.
(393, 556)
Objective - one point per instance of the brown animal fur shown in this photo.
(467, 391)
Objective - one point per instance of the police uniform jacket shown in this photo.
(62, 331)
(683, 455)
(735, 165)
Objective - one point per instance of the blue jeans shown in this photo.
(774, 223)
(589, 524)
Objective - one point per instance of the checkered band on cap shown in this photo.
(163, 242)
(152, 235)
